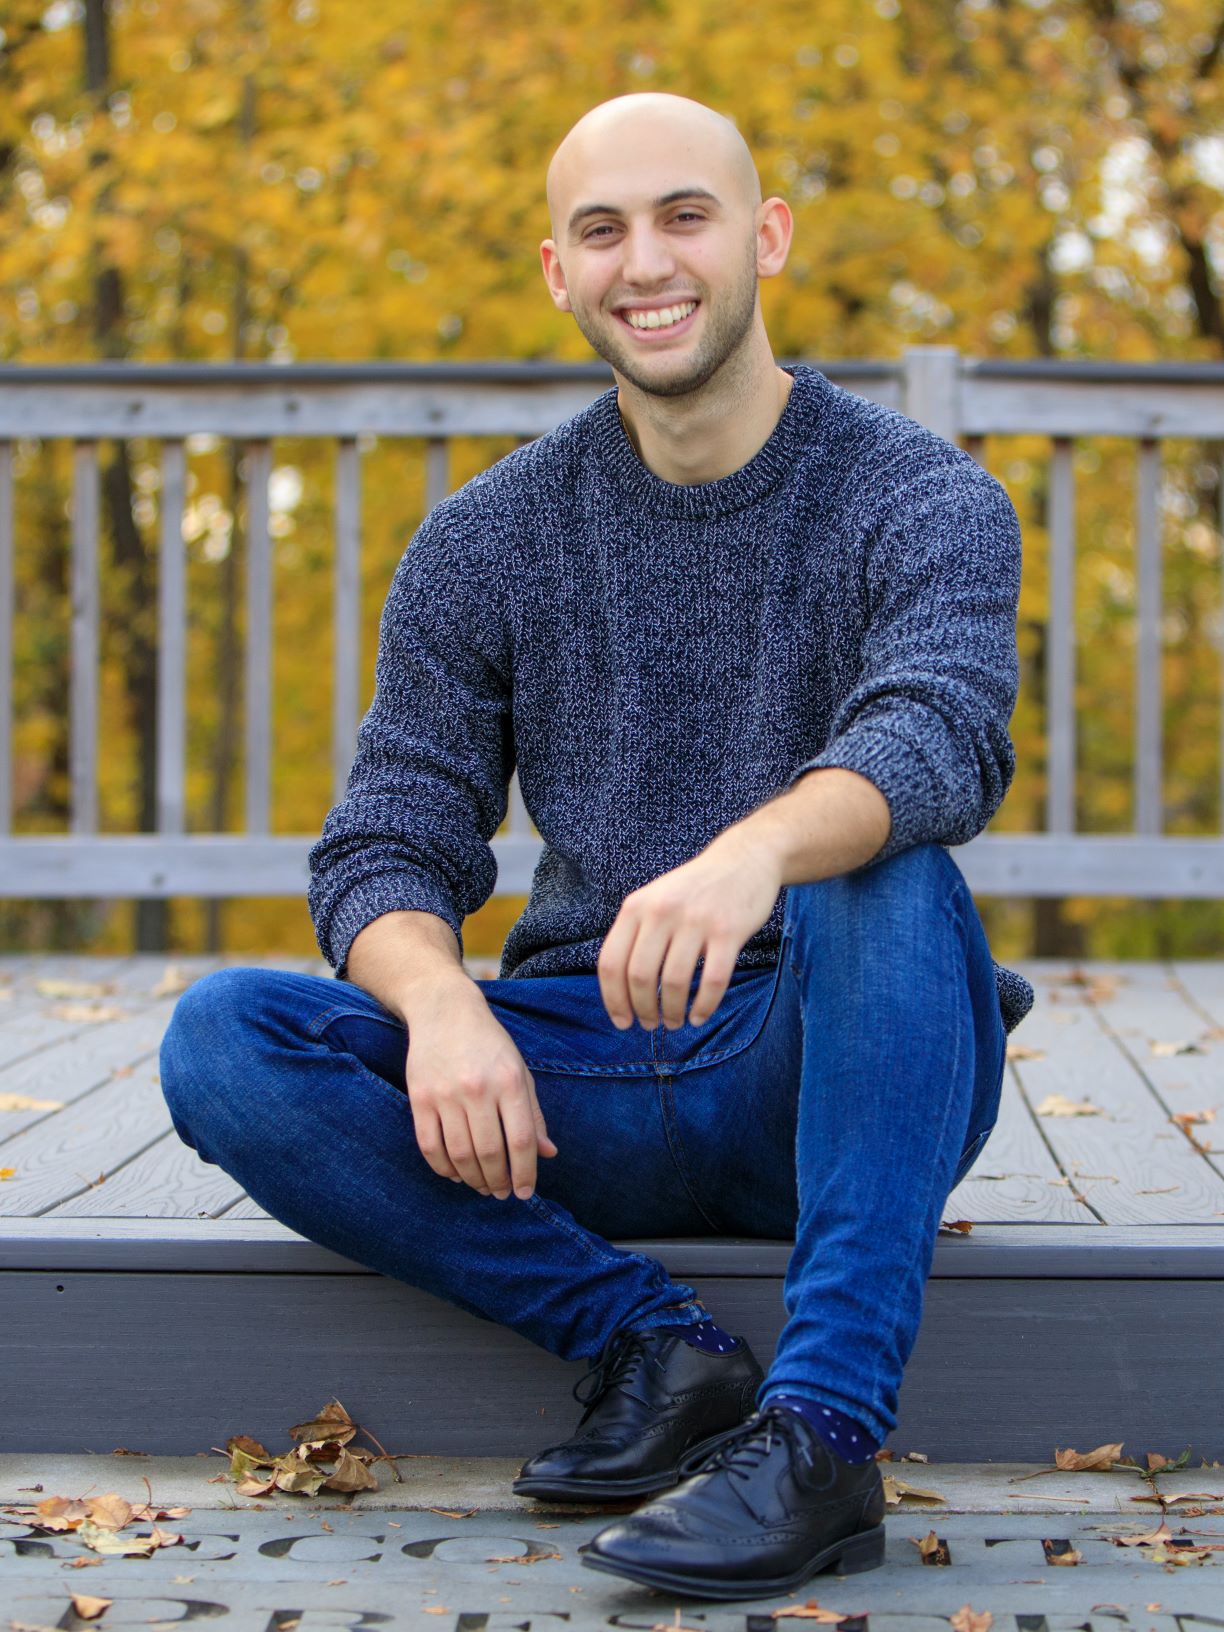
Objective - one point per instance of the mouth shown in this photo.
(666, 331)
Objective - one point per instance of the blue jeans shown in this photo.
(834, 1099)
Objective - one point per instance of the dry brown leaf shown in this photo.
(446, 1514)
(107, 1541)
(1166, 1051)
(971, 1620)
(435, 1609)
(82, 1011)
(25, 1102)
(89, 1608)
(521, 1558)
(933, 1551)
(1022, 1051)
(332, 1423)
(1067, 1556)
(895, 1489)
(73, 988)
(7, 1172)
(1103, 1457)
(60, 1512)
(172, 980)
(1060, 1105)
(248, 1446)
(350, 1474)
(109, 1511)
(811, 1611)
(962, 1226)
(82, 1563)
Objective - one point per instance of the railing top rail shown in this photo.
(545, 370)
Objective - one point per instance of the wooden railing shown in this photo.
(962, 399)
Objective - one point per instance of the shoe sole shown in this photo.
(864, 1551)
(613, 1490)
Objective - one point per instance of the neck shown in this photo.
(706, 434)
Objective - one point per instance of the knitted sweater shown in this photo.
(658, 659)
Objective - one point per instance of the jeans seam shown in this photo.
(671, 1133)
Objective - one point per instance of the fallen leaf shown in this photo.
(350, 1474)
(82, 1563)
(811, 1611)
(1167, 1050)
(7, 1172)
(89, 1608)
(25, 1102)
(895, 1489)
(82, 1011)
(933, 1550)
(332, 1423)
(1021, 1051)
(109, 1512)
(1060, 1105)
(1066, 1554)
(1103, 1457)
(971, 1620)
(73, 988)
(519, 1558)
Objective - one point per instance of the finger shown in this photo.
(521, 1142)
(649, 950)
(715, 978)
(611, 967)
(428, 1128)
(677, 977)
(459, 1145)
(542, 1135)
(490, 1146)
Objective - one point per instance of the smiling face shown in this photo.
(655, 207)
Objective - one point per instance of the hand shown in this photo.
(467, 1081)
(712, 905)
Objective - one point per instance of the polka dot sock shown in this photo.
(705, 1336)
(843, 1434)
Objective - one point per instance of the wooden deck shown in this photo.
(150, 1304)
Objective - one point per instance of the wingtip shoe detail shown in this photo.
(655, 1401)
(767, 1507)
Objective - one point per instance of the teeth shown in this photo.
(662, 319)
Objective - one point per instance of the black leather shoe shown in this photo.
(769, 1506)
(655, 1400)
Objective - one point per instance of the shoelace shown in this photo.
(619, 1357)
(743, 1449)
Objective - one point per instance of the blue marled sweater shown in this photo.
(659, 659)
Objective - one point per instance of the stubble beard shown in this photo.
(727, 326)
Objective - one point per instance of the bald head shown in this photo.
(604, 142)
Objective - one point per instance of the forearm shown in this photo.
(829, 822)
(408, 961)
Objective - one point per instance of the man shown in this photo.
(749, 640)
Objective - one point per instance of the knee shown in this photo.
(205, 1026)
(904, 883)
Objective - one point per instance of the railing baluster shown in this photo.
(975, 447)
(172, 643)
(1060, 645)
(7, 554)
(83, 676)
(437, 470)
(346, 684)
(1148, 769)
(259, 639)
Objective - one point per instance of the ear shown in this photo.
(554, 277)
(775, 228)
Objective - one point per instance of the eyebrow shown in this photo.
(583, 210)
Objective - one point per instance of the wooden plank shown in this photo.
(1015, 1179)
(1060, 647)
(83, 638)
(1123, 1162)
(1126, 406)
(257, 702)
(1149, 761)
(172, 642)
(7, 602)
(1150, 1007)
(1202, 983)
(70, 1150)
(232, 864)
(168, 1180)
(1002, 1369)
(346, 683)
(255, 1246)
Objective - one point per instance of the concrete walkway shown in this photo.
(451, 1547)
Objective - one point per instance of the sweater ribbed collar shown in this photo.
(791, 437)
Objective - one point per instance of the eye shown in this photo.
(693, 215)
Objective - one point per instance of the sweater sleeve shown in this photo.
(428, 786)
(927, 719)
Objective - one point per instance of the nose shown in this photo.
(648, 259)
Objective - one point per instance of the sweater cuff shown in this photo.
(893, 765)
(392, 890)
